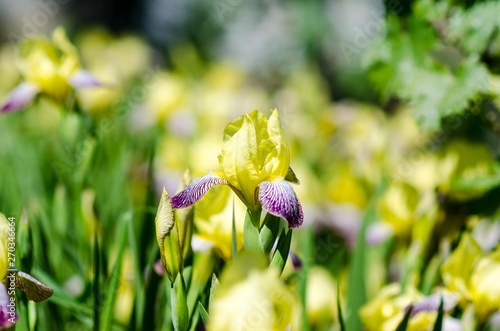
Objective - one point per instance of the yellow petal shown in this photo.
(254, 150)
(251, 297)
(456, 270)
(485, 285)
(50, 64)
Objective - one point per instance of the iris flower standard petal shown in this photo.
(255, 163)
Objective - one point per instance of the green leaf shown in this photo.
(356, 292)
(282, 249)
(403, 326)
(213, 287)
(139, 283)
(180, 312)
(203, 313)
(438, 326)
(473, 29)
(431, 275)
(114, 281)
(339, 310)
(470, 80)
(96, 286)
(405, 64)
(270, 231)
(203, 265)
(308, 261)
(480, 183)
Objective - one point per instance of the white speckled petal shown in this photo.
(279, 199)
(196, 190)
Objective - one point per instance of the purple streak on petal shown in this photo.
(83, 79)
(196, 190)
(279, 199)
(19, 97)
(431, 303)
(7, 316)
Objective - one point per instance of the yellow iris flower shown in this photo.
(474, 275)
(252, 297)
(50, 68)
(255, 163)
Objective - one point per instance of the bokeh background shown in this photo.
(390, 109)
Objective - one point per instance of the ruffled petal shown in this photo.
(279, 199)
(19, 97)
(84, 79)
(196, 190)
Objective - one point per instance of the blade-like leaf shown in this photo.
(203, 313)
(356, 290)
(180, 311)
(438, 326)
(270, 232)
(114, 281)
(403, 326)
(339, 310)
(283, 248)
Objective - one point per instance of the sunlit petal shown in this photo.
(196, 190)
(279, 199)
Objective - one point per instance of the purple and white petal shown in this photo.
(19, 97)
(279, 199)
(431, 303)
(84, 79)
(8, 315)
(196, 190)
